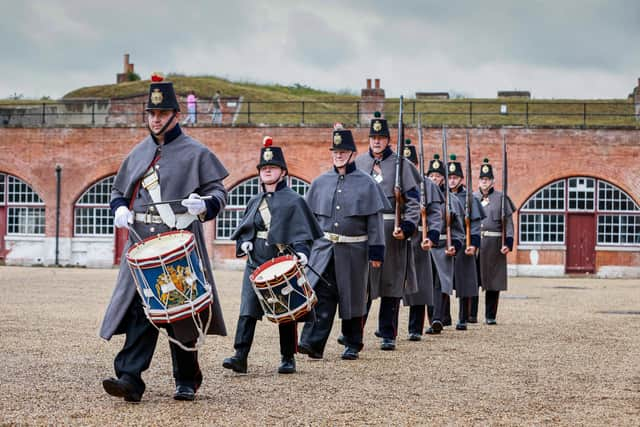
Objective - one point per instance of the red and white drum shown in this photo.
(283, 289)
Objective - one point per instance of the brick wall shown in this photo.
(536, 157)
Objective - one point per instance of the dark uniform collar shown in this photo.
(282, 184)
(350, 168)
(170, 135)
(385, 153)
(461, 189)
(491, 190)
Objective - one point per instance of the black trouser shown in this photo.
(441, 309)
(473, 308)
(416, 319)
(491, 304)
(246, 329)
(388, 317)
(465, 309)
(139, 346)
(315, 334)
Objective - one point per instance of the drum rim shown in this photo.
(273, 261)
(137, 245)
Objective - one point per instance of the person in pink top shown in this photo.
(192, 103)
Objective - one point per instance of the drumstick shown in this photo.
(313, 270)
(163, 202)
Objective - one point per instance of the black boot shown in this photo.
(237, 363)
(288, 365)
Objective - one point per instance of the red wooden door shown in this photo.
(581, 243)
(121, 236)
(3, 230)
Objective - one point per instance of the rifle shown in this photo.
(503, 200)
(447, 199)
(397, 189)
(423, 190)
(468, 207)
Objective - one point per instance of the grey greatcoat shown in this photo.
(292, 223)
(466, 275)
(422, 259)
(347, 205)
(493, 264)
(445, 264)
(184, 166)
(393, 279)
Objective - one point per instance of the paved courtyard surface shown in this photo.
(564, 352)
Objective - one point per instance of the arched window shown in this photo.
(543, 217)
(238, 198)
(24, 207)
(92, 215)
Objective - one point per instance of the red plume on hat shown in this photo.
(156, 77)
(267, 141)
(338, 126)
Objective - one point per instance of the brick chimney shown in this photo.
(371, 100)
(128, 68)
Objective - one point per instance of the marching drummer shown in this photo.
(348, 204)
(166, 165)
(276, 222)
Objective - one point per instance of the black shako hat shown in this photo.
(486, 170)
(270, 155)
(455, 168)
(410, 152)
(161, 95)
(436, 165)
(379, 126)
(342, 139)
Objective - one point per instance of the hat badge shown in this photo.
(156, 97)
(407, 152)
(485, 169)
(377, 126)
(337, 139)
(436, 164)
(452, 167)
(268, 155)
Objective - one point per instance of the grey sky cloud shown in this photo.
(556, 49)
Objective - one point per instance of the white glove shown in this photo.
(123, 217)
(246, 247)
(194, 204)
(302, 258)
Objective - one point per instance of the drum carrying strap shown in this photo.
(263, 207)
(151, 183)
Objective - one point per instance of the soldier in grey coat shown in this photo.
(348, 205)
(493, 253)
(444, 257)
(166, 165)
(465, 277)
(276, 222)
(393, 280)
(419, 302)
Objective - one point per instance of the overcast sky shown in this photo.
(553, 48)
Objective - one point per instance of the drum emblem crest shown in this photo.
(377, 126)
(177, 285)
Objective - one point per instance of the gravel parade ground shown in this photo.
(564, 352)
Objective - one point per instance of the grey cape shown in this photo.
(493, 264)
(445, 265)
(394, 278)
(185, 166)
(349, 205)
(292, 224)
(466, 275)
(423, 269)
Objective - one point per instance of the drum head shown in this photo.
(273, 269)
(159, 245)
